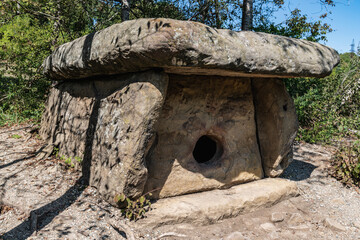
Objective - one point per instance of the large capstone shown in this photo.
(176, 107)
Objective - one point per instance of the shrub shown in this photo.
(134, 209)
(23, 46)
(329, 108)
(346, 164)
(329, 112)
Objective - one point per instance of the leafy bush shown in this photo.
(329, 108)
(29, 32)
(346, 164)
(134, 209)
(329, 112)
(23, 46)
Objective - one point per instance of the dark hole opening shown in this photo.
(285, 107)
(205, 149)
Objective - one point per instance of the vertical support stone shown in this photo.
(107, 122)
(277, 124)
(66, 117)
(128, 109)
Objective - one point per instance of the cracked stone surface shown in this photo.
(221, 108)
(85, 119)
(185, 47)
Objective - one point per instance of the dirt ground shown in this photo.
(41, 199)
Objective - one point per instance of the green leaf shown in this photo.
(122, 197)
(129, 215)
(141, 212)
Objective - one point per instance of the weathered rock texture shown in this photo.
(65, 122)
(187, 108)
(212, 206)
(186, 47)
(123, 133)
(219, 107)
(277, 124)
(107, 122)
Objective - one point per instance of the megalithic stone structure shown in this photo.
(176, 107)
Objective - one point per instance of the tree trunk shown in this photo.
(57, 23)
(217, 14)
(125, 10)
(247, 15)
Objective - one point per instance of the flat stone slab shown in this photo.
(185, 47)
(211, 206)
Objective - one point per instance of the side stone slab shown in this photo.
(218, 107)
(109, 123)
(277, 124)
(123, 135)
(65, 122)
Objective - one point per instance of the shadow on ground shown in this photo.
(42, 216)
(16, 161)
(298, 170)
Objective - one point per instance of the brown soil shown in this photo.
(41, 199)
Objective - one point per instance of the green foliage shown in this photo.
(55, 152)
(69, 162)
(330, 107)
(155, 9)
(22, 41)
(78, 159)
(297, 25)
(134, 209)
(346, 164)
(228, 14)
(329, 111)
(29, 31)
(16, 136)
(215, 13)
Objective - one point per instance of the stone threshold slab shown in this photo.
(211, 206)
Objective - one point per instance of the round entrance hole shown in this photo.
(206, 149)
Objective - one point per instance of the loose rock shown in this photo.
(295, 219)
(333, 224)
(277, 217)
(357, 224)
(235, 236)
(274, 235)
(268, 227)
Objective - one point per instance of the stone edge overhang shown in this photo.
(187, 48)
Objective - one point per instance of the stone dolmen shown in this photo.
(176, 107)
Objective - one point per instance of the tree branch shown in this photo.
(36, 12)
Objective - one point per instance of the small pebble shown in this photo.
(277, 217)
(333, 224)
(357, 224)
(296, 219)
(268, 227)
(235, 236)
